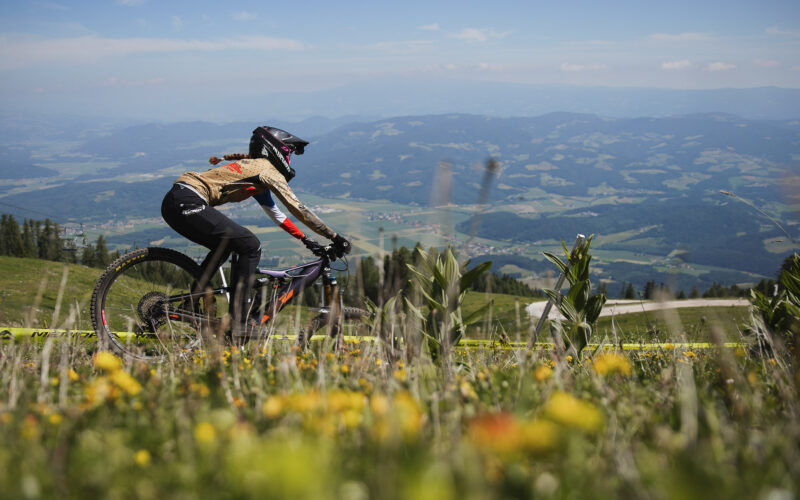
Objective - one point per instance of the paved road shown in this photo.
(617, 307)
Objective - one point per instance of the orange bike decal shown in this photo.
(283, 300)
(288, 295)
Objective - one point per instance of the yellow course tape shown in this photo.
(8, 333)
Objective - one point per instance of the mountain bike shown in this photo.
(147, 305)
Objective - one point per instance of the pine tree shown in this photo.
(649, 290)
(630, 293)
(44, 243)
(3, 244)
(28, 240)
(11, 236)
(101, 253)
(88, 256)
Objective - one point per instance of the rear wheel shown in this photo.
(143, 307)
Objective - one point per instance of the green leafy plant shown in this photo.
(579, 308)
(780, 314)
(443, 283)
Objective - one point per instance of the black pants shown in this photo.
(189, 214)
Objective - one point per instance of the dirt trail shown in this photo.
(617, 307)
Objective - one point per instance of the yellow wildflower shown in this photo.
(30, 428)
(55, 419)
(542, 373)
(467, 391)
(107, 361)
(610, 363)
(73, 375)
(204, 432)
(565, 409)
(97, 391)
(305, 402)
(540, 436)
(401, 375)
(408, 413)
(379, 405)
(142, 458)
(201, 390)
(272, 407)
(352, 418)
(125, 382)
(342, 401)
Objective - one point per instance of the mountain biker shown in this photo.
(188, 208)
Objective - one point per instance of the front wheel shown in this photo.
(350, 316)
(143, 305)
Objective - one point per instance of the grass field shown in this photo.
(269, 421)
(29, 290)
(370, 420)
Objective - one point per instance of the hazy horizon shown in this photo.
(203, 60)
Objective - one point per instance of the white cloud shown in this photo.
(720, 66)
(673, 65)
(680, 37)
(130, 3)
(16, 52)
(430, 27)
(243, 16)
(766, 63)
(177, 23)
(774, 30)
(573, 68)
(478, 35)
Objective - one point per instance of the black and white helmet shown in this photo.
(277, 146)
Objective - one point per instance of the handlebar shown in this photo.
(330, 251)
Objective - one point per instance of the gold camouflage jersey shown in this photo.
(239, 180)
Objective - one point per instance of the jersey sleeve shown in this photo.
(278, 217)
(284, 193)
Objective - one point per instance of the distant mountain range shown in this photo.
(562, 153)
(411, 97)
(646, 185)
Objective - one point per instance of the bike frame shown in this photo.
(286, 284)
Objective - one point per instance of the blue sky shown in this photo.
(187, 59)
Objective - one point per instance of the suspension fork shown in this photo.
(333, 300)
